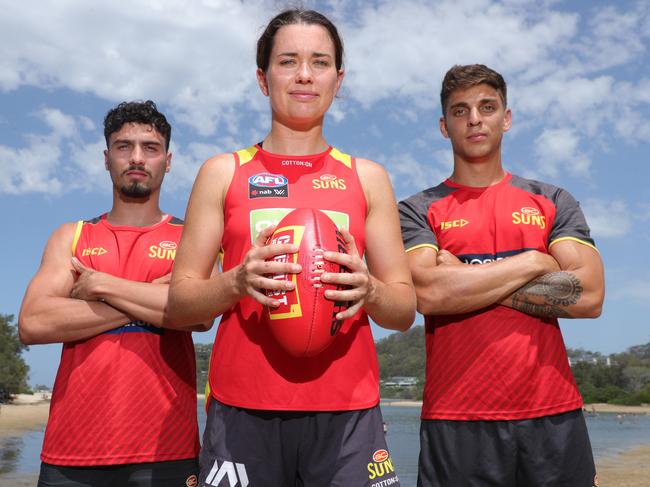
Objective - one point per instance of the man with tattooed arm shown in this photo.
(496, 259)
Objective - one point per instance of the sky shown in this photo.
(578, 78)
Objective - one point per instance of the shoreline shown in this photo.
(629, 468)
(595, 408)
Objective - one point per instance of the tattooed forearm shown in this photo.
(548, 295)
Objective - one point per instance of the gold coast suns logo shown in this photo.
(529, 216)
(381, 465)
(328, 181)
(165, 250)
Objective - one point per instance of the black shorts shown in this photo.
(551, 451)
(244, 447)
(176, 473)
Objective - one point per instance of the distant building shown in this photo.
(400, 381)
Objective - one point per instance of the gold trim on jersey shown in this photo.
(422, 246)
(341, 157)
(246, 155)
(575, 240)
(77, 234)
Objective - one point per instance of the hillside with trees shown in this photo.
(621, 378)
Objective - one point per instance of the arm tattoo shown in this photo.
(548, 295)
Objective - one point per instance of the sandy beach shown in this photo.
(629, 469)
(18, 418)
(28, 414)
(590, 408)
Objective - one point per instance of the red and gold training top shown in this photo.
(496, 363)
(248, 368)
(127, 395)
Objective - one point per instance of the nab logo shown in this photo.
(328, 181)
(453, 224)
(166, 250)
(93, 251)
(529, 216)
(266, 185)
(234, 472)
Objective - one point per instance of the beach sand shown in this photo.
(15, 419)
(597, 407)
(18, 418)
(629, 469)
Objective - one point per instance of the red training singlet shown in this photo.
(496, 363)
(127, 395)
(248, 368)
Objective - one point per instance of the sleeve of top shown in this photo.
(570, 222)
(416, 230)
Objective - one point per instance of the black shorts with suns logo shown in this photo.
(245, 447)
(551, 451)
(175, 473)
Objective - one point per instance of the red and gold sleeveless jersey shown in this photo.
(127, 395)
(496, 363)
(248, 368)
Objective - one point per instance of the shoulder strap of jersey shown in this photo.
(77, 234)
(246, 155)
(346, 159)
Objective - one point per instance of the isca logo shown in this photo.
(460, 223)
(165, 250)
(93, 251)
(529, 216)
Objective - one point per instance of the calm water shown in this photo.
(609, 435)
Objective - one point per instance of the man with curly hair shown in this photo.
(123, 409)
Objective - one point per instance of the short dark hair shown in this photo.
(144, 112)
(461, 77)
(296, 16)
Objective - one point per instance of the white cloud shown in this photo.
(197, 60)
(38, 167)
(608, 219)
(198, 57)
(407, 172)
(557, 150)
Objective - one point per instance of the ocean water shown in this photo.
(610, 434)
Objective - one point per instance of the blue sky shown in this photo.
(579, 86)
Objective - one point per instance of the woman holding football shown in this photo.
(274, 419)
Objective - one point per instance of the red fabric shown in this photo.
(498, 363)
(129, 395)
(248, 368)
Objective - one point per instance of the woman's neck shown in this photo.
(292, 141)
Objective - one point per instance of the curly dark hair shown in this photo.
(144, 112)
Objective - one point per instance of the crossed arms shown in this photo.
(66, 301)
(567, 283)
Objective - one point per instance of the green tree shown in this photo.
(13, 369)
(202, 352)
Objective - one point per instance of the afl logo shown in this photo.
(380, 456)
(527, 210)
(168, 245)
(327, 177)
(266, 180)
